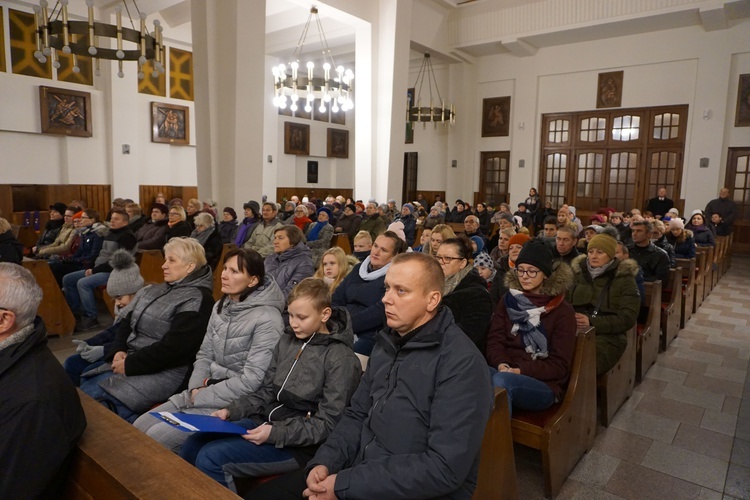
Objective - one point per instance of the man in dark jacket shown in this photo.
(41, 417)
(407, 448)
(153, 234)
(79, 286)
(660, 205)
(373, 223)
(653, 260)
(726, 209)
(565, 244)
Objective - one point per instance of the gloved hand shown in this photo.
(93, 353)
(80, 345)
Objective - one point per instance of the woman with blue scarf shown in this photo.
(319, 235)
(532, 336)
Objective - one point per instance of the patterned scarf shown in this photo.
(527, 319)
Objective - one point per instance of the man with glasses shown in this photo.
(79, 286)
(41, 413)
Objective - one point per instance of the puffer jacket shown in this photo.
(61, 244)
(161, 337)
(237, 348)
(262, 238)
(684, 245)
(348, 224)
(51, 230)
(92, 238)
(11, 250)
(471, 306)
(703, 235)
(323, 242)
(152, 235)
(559, 327)
(653, 261)
(399, 438)
(306, 389)
(115, 240)
(290, 267)
(228, 230)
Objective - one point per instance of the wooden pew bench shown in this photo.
(497, 464)
(708, 271)
(150, 262)
(648, 332)
(616, 386)
(671, 306)
(54, 308)
(342, 241)
(565, 431)
(114, 460)
(700, 274)
(688, 289)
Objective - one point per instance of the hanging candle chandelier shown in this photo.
(54, 32)
(296, 86)
(436, 112)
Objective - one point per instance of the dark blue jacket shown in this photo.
(91, 244)
(363, 301)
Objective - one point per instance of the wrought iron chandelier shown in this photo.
(292, 84)
(54, 32)
(436, 112)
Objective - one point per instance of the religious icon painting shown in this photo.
(65, 112)
(170, 123)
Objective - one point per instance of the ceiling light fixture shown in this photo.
(54, 33)
(415, 112)
(293, 84)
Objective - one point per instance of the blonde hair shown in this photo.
(313, 289)
(445, 231)
(195, 203)
(4, 225)
(180, 210)
(363, 235)
(187, 250)
(341, 260)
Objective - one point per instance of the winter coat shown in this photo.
(703, 235)
(430, 221)
(416, 432)
(323, 243)
(161, 337)
(42, 418)
(237, 348)
(471, 306)
(664, 244)
(375, 225)
(727, 210)
(684, 245)
(559, 326)
(349, 225)
(262, 238)
(213, 248)
(61, 244)
(115, 240)
(653, 260)
(619, 309)
(181, 228)
(245, 229)
(484, 221)
(51, 230)
(410, 228)
(11, 250)
(306, 389)
(290, 267)
(228, 231)
(568, 258)
(137, 222)
(456, 216)
(91, 241)
(152, 235)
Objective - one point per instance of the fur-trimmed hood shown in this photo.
(627, 267)
(557, 283)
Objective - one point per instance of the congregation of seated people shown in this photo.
(307, 337)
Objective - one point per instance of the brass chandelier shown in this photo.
(437, 111)
(54, 32)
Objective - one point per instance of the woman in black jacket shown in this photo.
(177, 225)
(465, 292)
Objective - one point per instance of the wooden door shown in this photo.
(409, 186)
(493, 177)
(738, 183)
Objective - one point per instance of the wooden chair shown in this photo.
(700, 274)
(150, 262)
(137, 467)
(616, 386)
(688, 289)
(220, 268)
(648, 332)
(497, 464)
(564, 432)
(671, 306)
(54, 308)
(341, 240)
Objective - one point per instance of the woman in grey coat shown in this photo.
(243, 331)
(291, 261)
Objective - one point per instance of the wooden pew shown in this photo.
(616, 386)
(719, 256)
(458, 227)
(27, 236)
(648, 332)
(564, 432)
(707, 271)
(220, 268)
(54, 308)
(114, 460)
(728, 260)
(497, 464)
(671, 307)
(342, 241)
(700, 274)
(150, 262)
(688, 289)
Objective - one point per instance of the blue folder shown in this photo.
(199, 423)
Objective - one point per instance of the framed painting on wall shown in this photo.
(65, 112)
(496, 117)
(609, 90)
(170, 123)
(742, 117)
(338, 143)
(312, 172)
(296, 139)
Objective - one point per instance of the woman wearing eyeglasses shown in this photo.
(605, 296)
(465, 292)
(532, 336)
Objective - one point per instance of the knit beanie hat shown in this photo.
(674, 211)
(483, 259)
(125, 278)
(231, 212)
(479, 242)
(507, 216)
(676, 223)
(409, 206)
(398, 228)
(326, 210)
(519, 239)
(59, 207)
(538, 254)
(161, 207)
(594, 227)
(352, 207)
(605, 243)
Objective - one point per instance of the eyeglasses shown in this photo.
(444, 259)
(531, 273)
(174, 213)
(85, 217)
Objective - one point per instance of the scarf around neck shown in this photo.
(452, 281)
(366, 274)
(202, 236)
(595, 272)
(527, 319)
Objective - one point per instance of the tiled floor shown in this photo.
(685, 432)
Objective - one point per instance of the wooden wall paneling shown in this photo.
(6, 201)
(147, 194)
(54, 308)
(188, 192)
(429, 196)
(285, 193)
(63, 193)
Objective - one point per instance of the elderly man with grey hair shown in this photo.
(41, 417)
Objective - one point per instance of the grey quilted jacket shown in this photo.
(290, 267)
